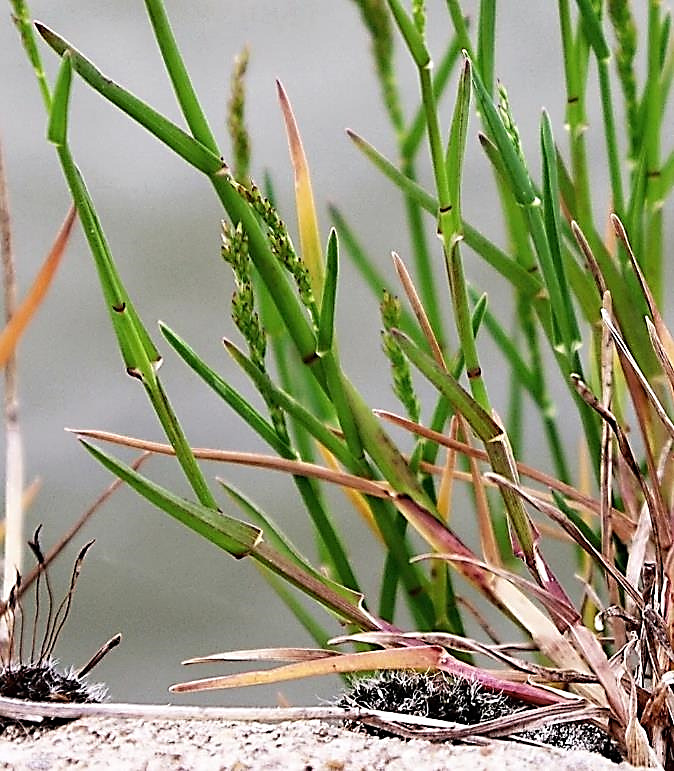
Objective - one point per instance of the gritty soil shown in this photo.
(109, 743)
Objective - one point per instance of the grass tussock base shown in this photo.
(444, 697)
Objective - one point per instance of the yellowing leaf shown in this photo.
(307, 221)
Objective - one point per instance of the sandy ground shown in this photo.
(110, 743)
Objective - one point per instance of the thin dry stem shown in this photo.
(14, 460)
(591, 260)
(14, 472)
(401, 724)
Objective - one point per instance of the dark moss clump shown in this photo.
(439, 695)
(43, 681)
(35, 676)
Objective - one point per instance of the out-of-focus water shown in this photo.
(170, 593)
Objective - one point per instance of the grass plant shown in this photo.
(587, 302)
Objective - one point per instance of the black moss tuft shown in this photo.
(436, 695)
(43, 681)
(444, 697)
(35, 676)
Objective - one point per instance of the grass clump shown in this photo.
(592, 301)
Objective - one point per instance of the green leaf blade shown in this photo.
(232, 535)
(163, 129)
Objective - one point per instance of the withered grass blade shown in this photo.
(259, 460)
(419, 657)
(264, 654)
(574, 532)
(625, 353)
(10, 335)
(418, 308)
(659, 520)
(469, 645)
(624, 526)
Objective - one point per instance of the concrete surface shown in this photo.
(107, 743)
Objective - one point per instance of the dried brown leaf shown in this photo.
(418, 309)
(10, 335)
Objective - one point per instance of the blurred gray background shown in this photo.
(170, 593)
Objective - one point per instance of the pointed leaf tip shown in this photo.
(307, 220)
(50, 37)
(57, 130)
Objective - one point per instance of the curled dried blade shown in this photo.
(469, 645)
(419, 657)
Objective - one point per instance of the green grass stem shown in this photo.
(182, 85)
(486, 43)
(140, 355)
(24, 22)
